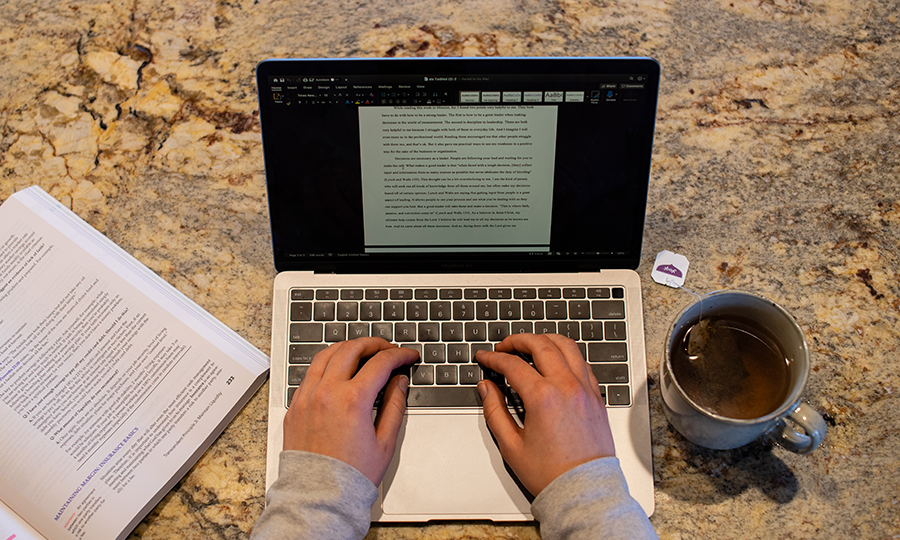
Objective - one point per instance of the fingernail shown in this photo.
(482, 389)
(404, 384)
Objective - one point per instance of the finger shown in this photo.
(319, 363)
(595, 386)
(517, 371)
(499, 420)
(376, 372)
(390, 417)
(573, 357)
(547, 357)
(345, 359)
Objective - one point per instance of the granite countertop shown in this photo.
(775, 172)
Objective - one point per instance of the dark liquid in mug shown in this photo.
(742, 373)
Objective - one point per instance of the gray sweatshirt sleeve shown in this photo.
(316, 497)
(591, 501)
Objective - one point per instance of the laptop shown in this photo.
(444, 204)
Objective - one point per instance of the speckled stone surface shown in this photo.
(775, 171)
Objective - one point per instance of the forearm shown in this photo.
(591, 501)
(316, 497)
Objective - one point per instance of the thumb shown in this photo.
(390, 417)
(499, 421)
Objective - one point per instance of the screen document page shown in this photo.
(457, 178)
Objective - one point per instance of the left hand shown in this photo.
(331, 411)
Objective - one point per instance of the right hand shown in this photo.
(565, 423)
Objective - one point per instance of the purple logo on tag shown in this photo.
(669, 269)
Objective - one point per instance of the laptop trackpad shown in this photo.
(448, 466)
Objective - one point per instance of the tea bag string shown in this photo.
(671, 283)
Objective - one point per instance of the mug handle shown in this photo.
(796, 442)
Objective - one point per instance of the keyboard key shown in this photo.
(469, 374)
(513, 400)
(545, 327)
(303, 354)
(480, 347)
(618, 292)
(486, 310)
(323, 311)
(394, 311)
(598, 292)
(335, 332)
(426, 294)
(450, 294)
(434, 353)
(358, 330)
(370, 311)
(376, 294)
(491, 375)
(522, 328)
(556, 309)
(610, 373)
(452, 331)
(417, 311)
(405, 332)
(446, 374)
(382, 330)
(533, 310)
(500, 294)
(476, 331)
(614, 330)
(347, 311)
(296, 374)
(608, 309)
(301, 311)
(607, 352)
(460, 396)
(592, 331)
(618, 395)
(549, 293)
(573, 292)
(352, 294)
(498, 331)
(569, 329)
(422, 375)
(302, 294)
(475, 294)
(327, 294)
(579, 309)
(401, 294)
(440, 311)
(429, 332)
(306, 332)
(458, 353)
(525, 294)
(464, 310)
(510, 311)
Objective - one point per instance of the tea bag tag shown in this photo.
(670, 269)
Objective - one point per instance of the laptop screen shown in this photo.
(377, 165)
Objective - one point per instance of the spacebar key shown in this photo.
(420, 396)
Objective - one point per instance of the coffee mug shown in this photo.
(748, 317)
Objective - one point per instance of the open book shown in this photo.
(112, 383)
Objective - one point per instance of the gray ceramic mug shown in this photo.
(711, 430)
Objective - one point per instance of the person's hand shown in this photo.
(565, 422)
(331, 411)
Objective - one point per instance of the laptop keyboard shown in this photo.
(449, 325)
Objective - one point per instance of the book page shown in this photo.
(12, 527)
(104, 395)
